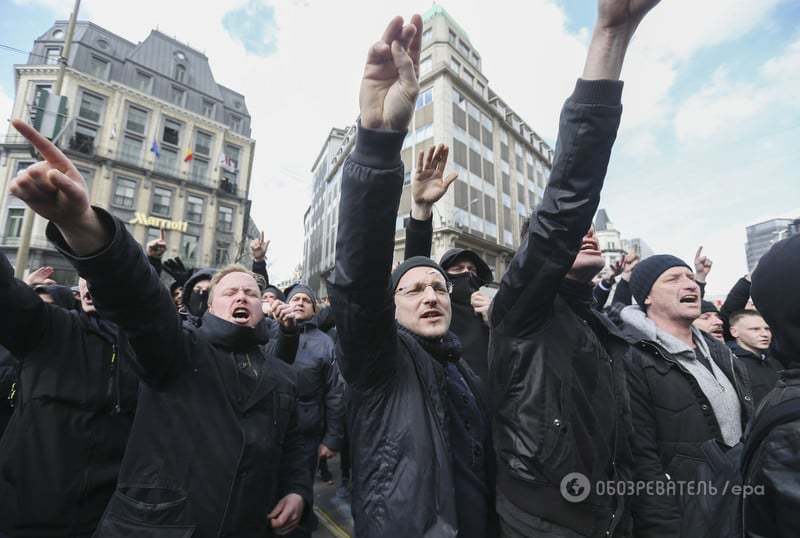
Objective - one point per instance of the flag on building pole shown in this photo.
(227, 163)
(155, 149)
(189, 156)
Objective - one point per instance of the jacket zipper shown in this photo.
(112, 380)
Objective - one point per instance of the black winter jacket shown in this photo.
(74, 406)
(763, 371)
(8, 388)
(319, 386)
(402, 474)
(558, 378)
(212, 448)
(672, 418)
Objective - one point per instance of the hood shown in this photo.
(324, 319)
(450, 257)
(231, 336)
(640, 327)
(198, 275)
(775, 291)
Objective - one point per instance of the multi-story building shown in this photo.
(613, 246)
(502, 163)
(160, 143)
(761, 236)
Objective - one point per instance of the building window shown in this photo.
(84, 138)
(468, 78)
(180, 72)
(14, 221)
(189, 248)
(144, 82)
(225, 219)
(131, 149)
(424, 98)
(236, 124)
(52, 55)
(58, 33)
(208, 108)
(202, 143)
(41, 94)
(168, 162)
(161, 202)
(221, 254)
(136, 121)
(124, 193)
(172, 132)
(463, 48)
(177, 96)
(474, 162)
(425, 66)
(452, 37)
(91, 107)
(427, 37)
(99, 67)
(194, 209)
(199, 171)
(461, 194)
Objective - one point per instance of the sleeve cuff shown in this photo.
(57, 239)
(598, 92)
(378, 148)
(419, 225)
(259, 264)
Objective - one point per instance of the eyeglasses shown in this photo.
(416, 290)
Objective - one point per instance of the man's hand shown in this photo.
(617, 21)
(40, 277)
(480, 304)
(615, 269)
(325, 453)
(428, 184)
(285, 314)
(702, 266)
(631, 261)
(156, 248)
(55, 189)
(258, 248)
(286, 515)
(389, 87)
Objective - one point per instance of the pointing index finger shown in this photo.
(49, 151)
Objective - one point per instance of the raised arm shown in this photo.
(372, 183)
(588, 127)
(258, 251)
(125, 287)
(428, 185)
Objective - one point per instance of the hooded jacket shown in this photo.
(776, 466)
(75, 397)
(674, 413)
(214, 445)
(558, 382)
(403, 482)
(196, 305)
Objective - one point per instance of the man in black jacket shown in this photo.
(776, 464)
(419, 430)
(465, 269)
(751, 347)
(319, 386)
(555, 362)
(685, 388)
(74, 400)
(214, 448)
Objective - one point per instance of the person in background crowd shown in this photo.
(320, 389)
(604, 282)
(419, 429)
(709, 321)
(465, 269)
(751, 347)
(685, 388)
(738, 299)
(556, 363)
(776, 465)
(209, 399)
(74, 398)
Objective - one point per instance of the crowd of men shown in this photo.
(578, 401)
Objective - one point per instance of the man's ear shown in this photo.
(734, 332)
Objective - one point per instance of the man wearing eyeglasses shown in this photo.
(422, 460)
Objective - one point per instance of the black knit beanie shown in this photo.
(406, 266)
(294, 289)
(647, 272)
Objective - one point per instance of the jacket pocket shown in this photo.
(149, 511)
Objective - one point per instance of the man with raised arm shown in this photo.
(422, 459)
(214, 448)
(556, 364)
